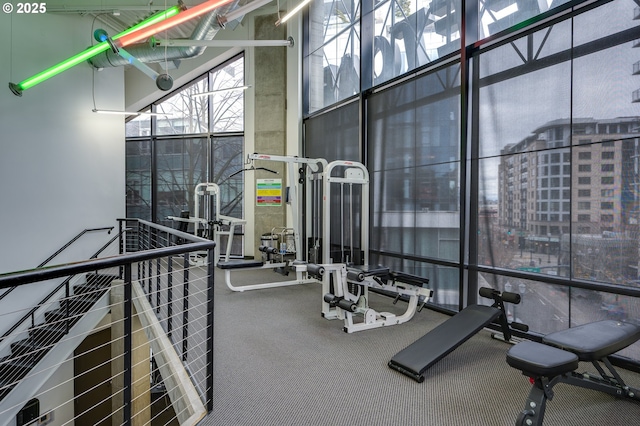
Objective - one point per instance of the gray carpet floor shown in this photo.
(278, 362)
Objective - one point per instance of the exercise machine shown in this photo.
(414, 360)
(284, 252)
(208, 222)
(336, 256)
(346, 191)
(343, 265)
(557, 358)
(348, 297)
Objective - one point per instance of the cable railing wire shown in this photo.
(160, 261)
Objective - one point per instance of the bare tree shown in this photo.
(192, 123)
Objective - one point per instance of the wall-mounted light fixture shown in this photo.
(155, 114)
(224, 43)
(215, 92)
(293, 11)
(161, 21)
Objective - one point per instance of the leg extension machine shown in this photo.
(349, 300)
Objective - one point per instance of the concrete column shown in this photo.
(141, 363)
(270, 75)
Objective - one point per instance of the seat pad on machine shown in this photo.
(240, 263)
(370, 270)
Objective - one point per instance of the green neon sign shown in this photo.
(87, 54)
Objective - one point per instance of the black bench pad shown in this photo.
(409, 278)
(595, 340)
(370, 270)
(416, 358)
(537, 360)
(240, 264)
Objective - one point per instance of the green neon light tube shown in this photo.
(89, 53)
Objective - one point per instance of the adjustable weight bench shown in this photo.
(556, 359)
(414, 360)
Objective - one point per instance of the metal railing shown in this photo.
(129, 339)
(63, 248)
(66, 285)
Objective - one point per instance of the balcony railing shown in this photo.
(128, 337)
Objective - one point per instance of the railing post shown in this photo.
(169, 295)
(158, 285)
(210, 287)
(152, 245)
(185, 307)
(67, 296)
(127, 346)
(150, 281)
(122, 241)
(141, 246)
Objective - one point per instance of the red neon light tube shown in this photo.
(144, 33)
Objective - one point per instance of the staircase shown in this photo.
(33, 358)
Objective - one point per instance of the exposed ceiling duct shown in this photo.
(206, 29)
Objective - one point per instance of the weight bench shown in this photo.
(556, 359)
(418, 357)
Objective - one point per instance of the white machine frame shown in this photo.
(352, 174)
(313, 169)
(338, 279)
(213, 224)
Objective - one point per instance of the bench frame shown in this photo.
(606, 380)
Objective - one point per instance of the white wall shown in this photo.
(61, 165)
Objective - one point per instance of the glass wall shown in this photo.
(410, 34)
(495, 16)
(138, 178)
(197, 138)
(335, 52)
(558, 132)
(512, 164)
(414, 160)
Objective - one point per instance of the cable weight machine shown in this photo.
(208, 222)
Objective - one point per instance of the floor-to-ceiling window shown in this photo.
(504, 153)
(197, 137)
